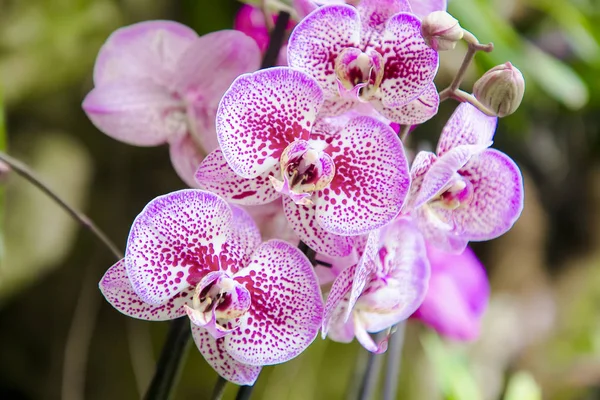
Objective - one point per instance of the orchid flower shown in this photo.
(157, 82)
(467, 191)
(458, 294)
(420, 8)
(373, 53)
(384, 288)
(250, 304)
(334, 184)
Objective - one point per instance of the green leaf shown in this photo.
(522, 386)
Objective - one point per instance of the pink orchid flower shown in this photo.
(467, 191)
(458, 294)
(334, 184)
(383, 288)
(420, 8)
(157, 82)
(373, 53)
(250, 304)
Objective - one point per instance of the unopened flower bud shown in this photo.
(500, 89)
(441, 31)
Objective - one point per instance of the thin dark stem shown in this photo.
(219, 388)
(244, 393)
(171, 360)
(371, 376)
(276, 40)
(23, 170)
(403, 134)
(394, 362)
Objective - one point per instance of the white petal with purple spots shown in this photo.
(467, 125)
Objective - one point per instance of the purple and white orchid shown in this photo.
(372, 53)
(467, 191)
(384, 288)
(250, 304)
(335, 183)
(157, 82)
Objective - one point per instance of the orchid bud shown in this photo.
(500, 89)
(441, 31)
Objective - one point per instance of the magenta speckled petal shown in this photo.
(416, 111)
(286, 310)
(116, 288)
(423, 8)
(373, 16)
(176, 240)
(410, 65)
(366, 267)
(467, 125)
(262, 113)
(137, 112)
(336, 307)
(207, 68)
(371, 180)
(497, 196)
(214, 174)
(185, 158)
(317, 41)
(420, 165)
(144, 50)
(443, 170)
(336, 106)
(304, 222)
(216, 356)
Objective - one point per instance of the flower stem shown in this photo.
(219, 388)
(244, 393)
(371, 376)
(171, 361)
(474, 47)
(276, 40)
(394, 362)
(24, 171)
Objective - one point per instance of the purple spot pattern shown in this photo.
(261, 114)
(420, 165)
(467, 125)
(223, 363)
(177, 239)
(497, 196)
(303, 221)
(336, 307)
(116, 288)
(410, 65)
(414, 112)
(317, 41)
(371, 180)
(373, 16)
(214, 174)
(287, 308)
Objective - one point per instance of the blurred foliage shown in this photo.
(540, 335)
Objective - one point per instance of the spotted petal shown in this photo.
(410, 65)
(336, 307)
(373, 16)
(146, 50)
(304, 222)
(371, 180)
(176, 240)
(137, 112)
(261, 114)
(317, 41)
(414, 112)
(214, 174)
(216, 355)
(287, 308)
(497, 196)
(116, 289)
(467, 125)
(422, 8)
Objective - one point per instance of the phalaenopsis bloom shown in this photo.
(335, 182)
(458, 294)
(383, 288)
(250, 303)
(157, 82)
(467, 191)
(373, 53)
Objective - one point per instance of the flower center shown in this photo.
(359, 74)
(304, 169)
(217, 304)
(457, 193)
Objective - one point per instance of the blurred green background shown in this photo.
(60, 339)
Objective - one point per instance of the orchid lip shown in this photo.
(456, 194)
(359, 73)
